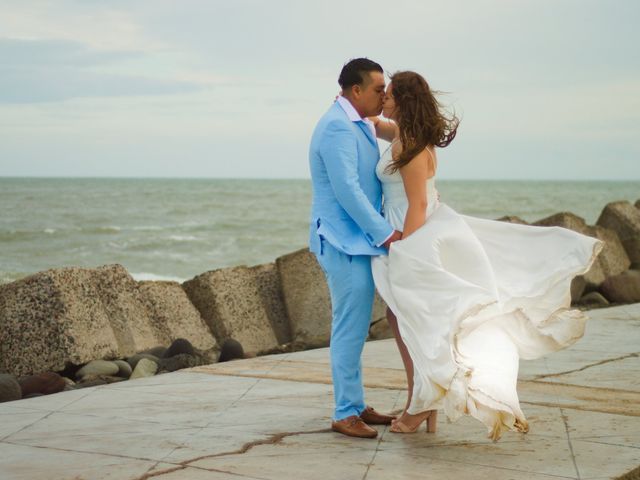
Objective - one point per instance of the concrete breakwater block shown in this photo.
(623, 288)
(270, 290)
(230, 303)
(71, 315)
(624, 219)
(174, 316)
(612, 260)
(307, 299)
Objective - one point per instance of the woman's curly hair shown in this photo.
(420, 118)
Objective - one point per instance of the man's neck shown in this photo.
(350, 100)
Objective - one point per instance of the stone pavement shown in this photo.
(268, 418)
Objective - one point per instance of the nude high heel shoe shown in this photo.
(430, 417)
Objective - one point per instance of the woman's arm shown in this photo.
(414, 176)
(385, 129)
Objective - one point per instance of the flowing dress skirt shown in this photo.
(473, 297)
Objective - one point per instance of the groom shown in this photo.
(347, 228)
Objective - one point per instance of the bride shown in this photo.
(467, 297)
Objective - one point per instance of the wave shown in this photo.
(155, 277)
(182, 238)
(103, 229)
(13, 234)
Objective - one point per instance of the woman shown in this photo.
(467, 297)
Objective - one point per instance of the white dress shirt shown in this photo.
(354, 116)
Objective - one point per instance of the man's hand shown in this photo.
(396, 235)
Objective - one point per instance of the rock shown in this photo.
(68, 382)
(90, 382)
(284, 348)
(134, 359)
(104, 379)
(179, 361)
(380, 330)
(9, 388)
(307, 299)
(74, 315)
(175, 316)
(33, 395)
(158, 351)
(127, 310)
(379, 311)
(270, 291)
(565, 220)
(229, 301)
(512, 219)
(179, 346)
(637, 204)
(44, 383)
(612, 260)
(144, 368)
(624, 219)
(98, 367)
(623, 288)
(124, 369)
(231, 350)
(578, 285)
(593, 299)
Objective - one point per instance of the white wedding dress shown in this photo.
(473, 297)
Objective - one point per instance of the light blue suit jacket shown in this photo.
(347, 195)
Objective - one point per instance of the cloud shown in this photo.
(35, 71)
(247, 80)
(17, 52)
(101, 25)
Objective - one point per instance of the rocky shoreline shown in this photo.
(70, 328)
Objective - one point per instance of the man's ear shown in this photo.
(356, 91)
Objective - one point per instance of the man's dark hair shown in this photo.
(353, 70)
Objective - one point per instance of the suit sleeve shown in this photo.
(340, 155)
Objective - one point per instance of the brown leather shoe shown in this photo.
(353, 426)
(370, 416)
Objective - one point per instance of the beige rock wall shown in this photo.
(229, 301)
(612, 260)
(174, 316)
(624, 219)
(307, 299)
(71, 315)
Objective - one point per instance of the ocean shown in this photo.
(174, 229)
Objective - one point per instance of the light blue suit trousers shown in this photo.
(345, 230)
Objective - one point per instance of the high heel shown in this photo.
(430, 418)
(432, 421)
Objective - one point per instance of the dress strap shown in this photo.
(433, 160)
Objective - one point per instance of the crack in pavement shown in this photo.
(273, 439)
(565, 420)
(233, 404)
(375, 453)
(602, 362)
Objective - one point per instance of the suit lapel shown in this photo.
(363, 126)
(367, 131)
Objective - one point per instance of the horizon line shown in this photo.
(118, 177)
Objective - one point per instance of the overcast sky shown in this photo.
(547, 89)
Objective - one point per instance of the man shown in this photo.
(346, 229)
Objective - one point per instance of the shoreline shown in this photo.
(76, 315)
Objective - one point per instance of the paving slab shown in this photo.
(268, 418)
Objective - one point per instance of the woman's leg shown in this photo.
(404, 353)
(409, 422)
